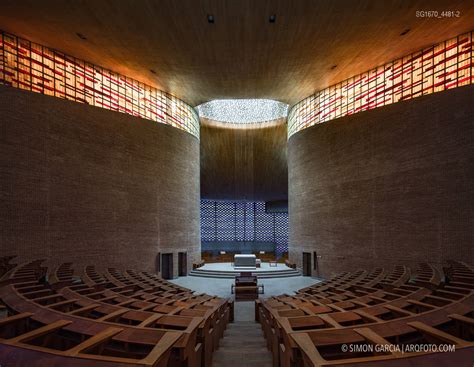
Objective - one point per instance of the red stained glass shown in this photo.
(39, 69)
(443, 66)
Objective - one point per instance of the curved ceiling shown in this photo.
(170, 44)
(244, 161)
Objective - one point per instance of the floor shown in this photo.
(221, 287)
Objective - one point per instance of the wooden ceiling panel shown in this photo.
(241, 55)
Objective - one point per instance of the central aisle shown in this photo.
(243, 344)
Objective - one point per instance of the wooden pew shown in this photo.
(56, 344)
(427, 276)
(199, 264)
(80, 302)
(343, 310)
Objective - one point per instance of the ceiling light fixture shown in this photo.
(210, 18)
(272, 18)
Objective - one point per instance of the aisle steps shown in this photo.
(243, 345)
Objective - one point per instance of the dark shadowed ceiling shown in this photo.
(244, 161)
(241, 55)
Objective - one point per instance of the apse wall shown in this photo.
(244, 162)
(94, 186)
(388, 186)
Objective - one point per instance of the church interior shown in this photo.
(236, 183)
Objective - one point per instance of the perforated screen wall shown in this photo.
(243, 222)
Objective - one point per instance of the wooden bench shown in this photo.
(141, 305)
(310, 327)
(199, 264)
(427, 276)
(59, 343)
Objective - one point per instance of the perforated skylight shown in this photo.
(243, 111)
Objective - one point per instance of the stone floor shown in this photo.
(221, 287)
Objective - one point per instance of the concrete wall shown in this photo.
(92, 186)
(389, 186)
(244, 161)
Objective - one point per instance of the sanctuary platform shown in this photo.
(227, 270)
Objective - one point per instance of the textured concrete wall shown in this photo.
(389, 186)
(244, 161)
(83, 184)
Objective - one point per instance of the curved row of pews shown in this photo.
(375, 319)
(109, 318)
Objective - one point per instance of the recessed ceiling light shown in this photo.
(210, 18)
(404, 32)
(81, 36)
(272, 18)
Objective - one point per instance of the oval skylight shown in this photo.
(242, 111)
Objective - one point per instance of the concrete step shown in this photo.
(255, 355)
(231, 275)
(259, 346)
(288, 270)
(243, 345)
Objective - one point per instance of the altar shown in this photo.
(245, 261)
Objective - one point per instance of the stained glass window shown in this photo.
(30, 66)
(444, 66)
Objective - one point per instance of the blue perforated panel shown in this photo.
(263, 224)
(240, 221)
(281, 232)
(249, 221)
(208, 221)
(243, 221)
(225, 221)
